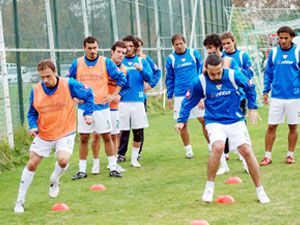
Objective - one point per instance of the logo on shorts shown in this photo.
(299, 115)
(108, 125)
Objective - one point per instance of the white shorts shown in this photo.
(43, 148)
(101, 122)
(132, 115)
(237, 133)
(279, 108)
(115, 121)
(195, 112)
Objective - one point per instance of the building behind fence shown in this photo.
(39, 29)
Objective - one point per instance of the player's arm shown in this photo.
(242, 81)
(73, 69)
(268, 76)
(82, 92)
(156, 72)
(247, 66)
(32, 116)
(199, 61)
(146, 71)
(170, 80)
(192, 98)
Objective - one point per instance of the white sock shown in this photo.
(290, 153)
(135, 153)
(268, 154)
(223, 162)
(58, 171)
(209, 147)
(82, 166)
(260, 189)
(188, 148)
(210, 185)
(96, 163)
(112, 162)
(26, 179)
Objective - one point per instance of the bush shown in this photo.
(19, 155)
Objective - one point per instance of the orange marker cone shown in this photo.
(225, 199)
(97, 187)
(233, 180)
(199, 222)
(60, 207)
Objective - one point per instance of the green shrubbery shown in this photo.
(19, 155)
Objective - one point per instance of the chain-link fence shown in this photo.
(39, 29)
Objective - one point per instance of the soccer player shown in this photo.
(213, 44)
(94, 71)
(182, 66)
(118, 52)
(223, 118)
(132, 110)
(147, 86)
(283, 80)
(52, 122)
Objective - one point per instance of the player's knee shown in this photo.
(63, 163)
(272, 128)
(218, 147)
(84, 138)
(138, 135)
(32, 165)
(106, 137)
(245, 151)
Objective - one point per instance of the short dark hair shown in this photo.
(46, 63)
(213, 60)
(177, 36)
(119, 44)
(139, 40)
(133, 39)
(90, 40)
(214, 40)
(286, 29)
(228, 35)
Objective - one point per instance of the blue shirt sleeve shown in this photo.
(246, 84)
(268, 78)
(192, 98)
(199, 61)
(73, 69)
(156, 72)
(170, 78)
(247, 69)
(80, 91)
(146, 71)
(115, 73)
(32, 115)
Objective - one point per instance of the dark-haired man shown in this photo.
(282, 78)
(52, 122)
(94, 71)
(223, 117)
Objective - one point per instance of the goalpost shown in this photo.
(255, 30)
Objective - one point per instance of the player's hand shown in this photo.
(78, 101)
(265, 99)
(88, 119)
(170, 104)
(201, 104)
(138, 66)
(33, 132)
(179, 127)
(147, 87)
(113, 98)
(254, 116)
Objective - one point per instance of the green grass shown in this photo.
(166, 190)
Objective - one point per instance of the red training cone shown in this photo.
(60, 207)
(199, 222)
(233, 180)
(225, 199)
(97, 187)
